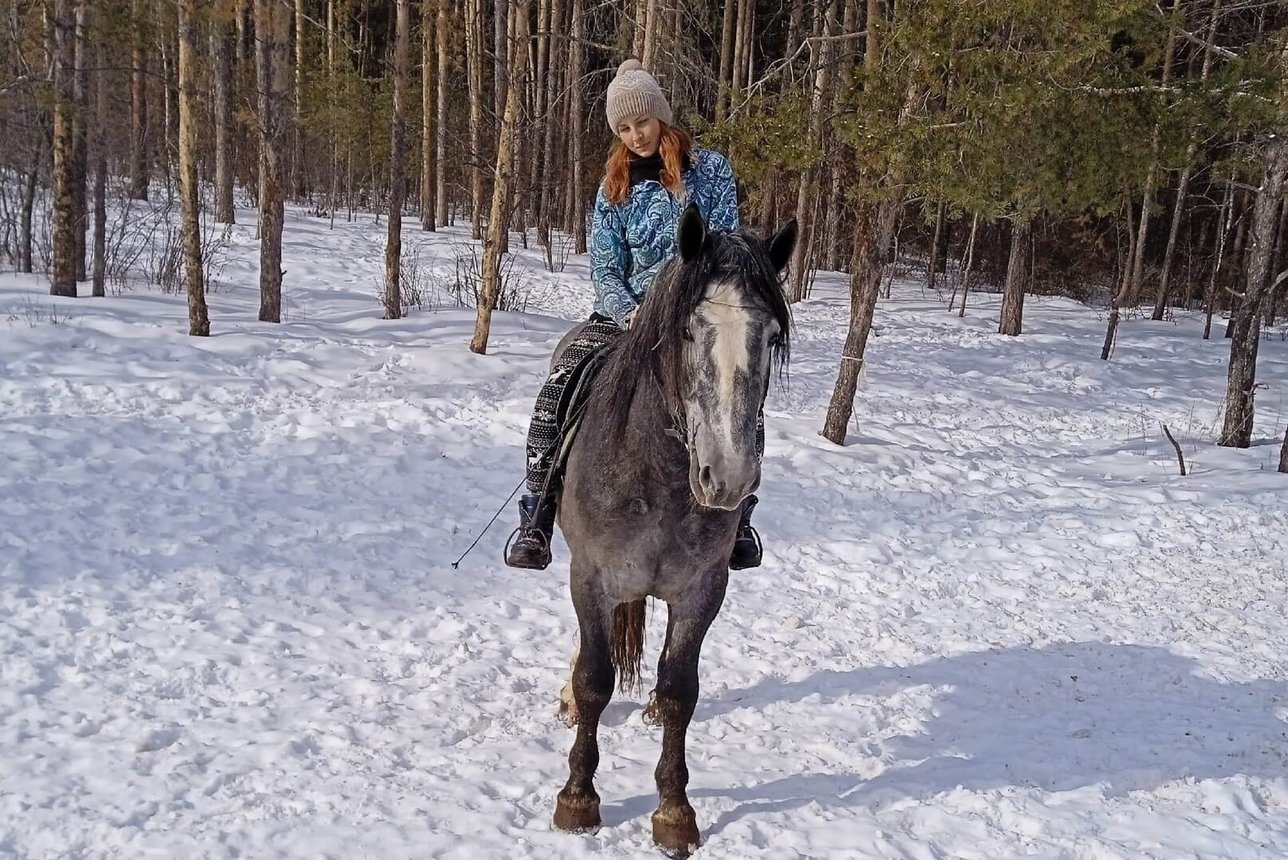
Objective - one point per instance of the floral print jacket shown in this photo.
(631, 241)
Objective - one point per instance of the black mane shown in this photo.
(653, 345)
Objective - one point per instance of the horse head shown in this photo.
(720, 324)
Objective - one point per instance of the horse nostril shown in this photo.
(704, 478)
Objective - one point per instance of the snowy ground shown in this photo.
(996, 624)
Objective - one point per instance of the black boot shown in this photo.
(529, 546)
(746, 546)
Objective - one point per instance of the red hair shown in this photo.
(674, 144)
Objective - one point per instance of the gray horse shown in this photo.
(666, 453)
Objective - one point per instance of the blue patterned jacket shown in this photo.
(631, 241)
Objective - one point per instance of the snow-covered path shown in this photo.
(996, 624)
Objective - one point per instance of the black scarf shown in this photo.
(644, 169)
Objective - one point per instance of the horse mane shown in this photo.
(654, 345)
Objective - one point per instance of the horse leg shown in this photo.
(675, 828)
(650, 715)
(567, 704)
(577, 807)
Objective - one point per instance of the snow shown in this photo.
(997, 623)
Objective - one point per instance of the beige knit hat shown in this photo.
(634, 92)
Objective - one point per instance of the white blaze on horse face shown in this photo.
(724, 466)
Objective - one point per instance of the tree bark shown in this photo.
(500, 51)
(298, 165)
(28, 206)
(272, 21)
(577, 195)
(1225, 216)
(724, 81)
(932, 266)
(500, 187)
(139, 104)
(80, 134)
(63, 282)
(99, 288)
(969, 267)
(190, 193)
(428, 115)
(546, 203)
(874, 231)
(221, 48)
(474, 57)
(808, 188)
(397, 164)
(1245, 332)
(442, 35)
(1012, 321)
(1178, 213)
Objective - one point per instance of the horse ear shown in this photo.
(692, 233)
(782, 245)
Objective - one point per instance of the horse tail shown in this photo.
(626, 648)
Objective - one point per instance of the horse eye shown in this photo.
(686, 334)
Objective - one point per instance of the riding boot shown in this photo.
(746, 546)
(529, 546)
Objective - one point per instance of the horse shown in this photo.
(666, 453)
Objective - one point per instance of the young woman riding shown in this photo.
(653, 171)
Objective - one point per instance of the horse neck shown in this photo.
(646, 443)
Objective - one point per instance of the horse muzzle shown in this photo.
(722, 482)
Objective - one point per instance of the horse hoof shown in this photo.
(675, 831)
(577, 814)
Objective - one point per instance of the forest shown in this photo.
(1125, 153)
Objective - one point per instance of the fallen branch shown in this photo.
(1179, 456)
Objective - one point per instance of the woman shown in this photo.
(653, 170)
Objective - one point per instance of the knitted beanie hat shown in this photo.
(634, 92)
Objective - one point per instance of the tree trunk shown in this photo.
(1178, 212)
(189, 192)
(397, 165)
(648, 56)
(474, 56)
(28, 206)
(546, 203)
(1283, 453)
(139, 104)
(808, 188)
(1237, 263)
(428, 115)
(505, 150)
(80, 133)
(99, 288)
(63, 282)
(169, 154)
(442, 35)
(577, 196)
(1012, 321)
(221, 48)
(272, 21)
(969, 267)
(1277, 287)
(1219, 236)
(500, 51)
(932, 265)
(1246, 320)
(874, 231)
(1119, 297)
(724, 81)
(301, 183)
(740, 51)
